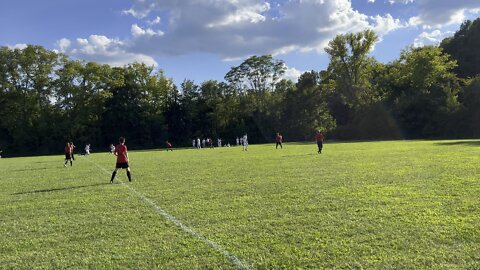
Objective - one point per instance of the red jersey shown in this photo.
(121, 153)
(68, 150)
(319, 137)
(279, 138)
(169, 145)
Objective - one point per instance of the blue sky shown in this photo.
(203, 39)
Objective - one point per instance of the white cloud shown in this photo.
(137, 31)
(386, 24)
(103, 50)
(292, 74)
(431, 38)
(414, 21)
(63, 44)
(438, 13)
(233, 28)
(139, 14)
(19, 46)
(157, 20)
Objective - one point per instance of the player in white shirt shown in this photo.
(245, 142)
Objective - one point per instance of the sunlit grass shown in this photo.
(412, 204)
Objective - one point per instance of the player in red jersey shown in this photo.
(278, 141)
(319, 138)
(68, 154)
(122, 159)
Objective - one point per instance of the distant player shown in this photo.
(193, 143)
(169, 146)
(68, 155)
(238, 141)
(73, 149)
(245, 142)
(122, 159)
(112, 148)
(319, 138)
(87, 149)
(198, 143)
(278, 141)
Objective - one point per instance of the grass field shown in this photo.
(375, 205)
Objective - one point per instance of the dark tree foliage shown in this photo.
(464, 47)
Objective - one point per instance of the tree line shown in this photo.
(47, 99)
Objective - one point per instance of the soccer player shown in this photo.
(73, 148)
(319, 138)
(193, 143)
(238, 141)
(68, 155)
(245, 142)
(198, 143)
(278, 141)
(122, 159)
(112, 148)
(87, 149)
(169, 146)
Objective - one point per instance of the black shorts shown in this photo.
(67, 156)
(122, 165)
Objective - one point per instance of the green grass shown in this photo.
(373, 205)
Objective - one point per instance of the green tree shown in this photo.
(258, 75)
(463, 47)
(424, 91)
(27, 76)
(349, 65)
(306, 108)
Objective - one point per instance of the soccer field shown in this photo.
(380, 205)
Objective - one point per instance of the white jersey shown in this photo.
(245, 142)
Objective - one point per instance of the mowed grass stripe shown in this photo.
(96, 227)
(179, 224)
(375, 205)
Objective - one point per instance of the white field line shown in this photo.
(179, 224)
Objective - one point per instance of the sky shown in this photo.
(202, 39)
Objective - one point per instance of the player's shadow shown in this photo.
(468, 143)
(58, 189)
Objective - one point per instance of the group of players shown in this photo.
(121, 151)
(69, 153)
(208, 143)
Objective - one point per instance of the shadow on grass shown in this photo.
(59, 189)
(468, 143)
(34, 169)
